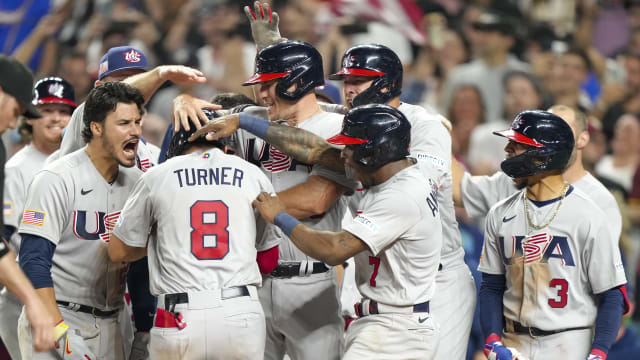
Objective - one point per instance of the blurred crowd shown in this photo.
(479, 62)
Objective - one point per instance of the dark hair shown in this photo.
(104, 99)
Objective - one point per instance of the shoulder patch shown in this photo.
(7, 208)
(34, 217)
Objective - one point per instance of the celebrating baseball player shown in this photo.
(71, 209)
(478, 193)
(55, 99)
(202, 255)
(395, 237)
(551, 272)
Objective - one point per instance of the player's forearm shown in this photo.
(48, 298)
(147, 82)
(304, 146)
(311, 198)
(121, 252)
(300, 144)
(456, 174)
(322, 245)
(608, 320)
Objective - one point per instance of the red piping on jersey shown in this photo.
(267, 260)
(627, 307)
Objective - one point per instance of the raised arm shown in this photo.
(300, 144)
(264, 25)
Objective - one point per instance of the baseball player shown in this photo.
(306, 325)
(550, 271)
(71, 209)
(55, 99)
(478, 193)
(15, 99)
(395, 237)
(128, 64)
(202, 256)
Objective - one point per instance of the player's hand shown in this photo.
(180, 74)
(42, 325)
(72, 346)
(218, 128)
(264, 24)
(188, 109)
(269, 205)
(496, 351)
(139, 350)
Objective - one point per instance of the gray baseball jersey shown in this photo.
(206, 232)
(19, 171)
(403, 234)
(552, 273)
(285, 172)
(479, 193)
(70, 204)
(146, 156)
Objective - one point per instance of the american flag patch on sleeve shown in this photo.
(7, 208)
(33, 217)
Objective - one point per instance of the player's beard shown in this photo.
(116, 150)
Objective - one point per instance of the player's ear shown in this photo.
(96, 129)
(582, 140)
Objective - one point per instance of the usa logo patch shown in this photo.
(132, 56)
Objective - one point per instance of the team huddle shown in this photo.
(247, 226)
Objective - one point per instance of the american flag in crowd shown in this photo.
(534, 246)
(403, 15)
(33, 217)
(277, 161)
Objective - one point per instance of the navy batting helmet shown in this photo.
(293, 62)
(376, 61)
(550, 139)
(380, 132)
(54, 90)
(180, 140)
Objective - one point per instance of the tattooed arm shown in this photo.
(304, 146)
(300, 144)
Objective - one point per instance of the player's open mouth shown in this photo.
(130, 147)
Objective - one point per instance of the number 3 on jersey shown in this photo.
(209, 219)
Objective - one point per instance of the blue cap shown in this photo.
(330, 92)
(120, 58)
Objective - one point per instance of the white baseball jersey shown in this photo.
(553, 273)
(146, 156)
(70, 204)
(285, 172)
(199, 207)
(479, 193)
(19, 171)
(401, 227)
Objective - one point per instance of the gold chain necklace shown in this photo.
(555, 212)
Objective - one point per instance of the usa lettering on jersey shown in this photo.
(102, 225)
(536, 248)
